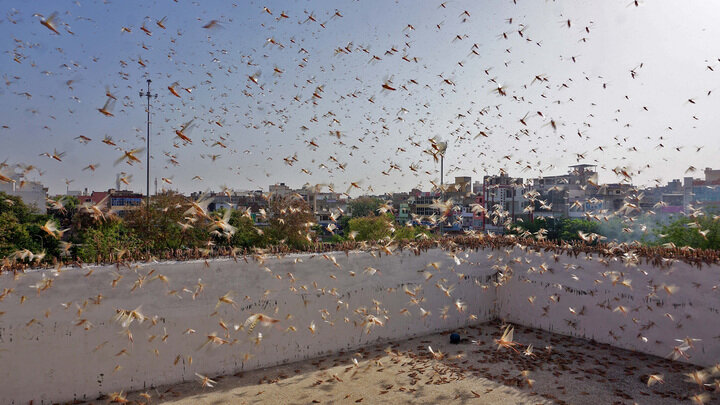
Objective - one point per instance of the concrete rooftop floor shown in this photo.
(565, 370)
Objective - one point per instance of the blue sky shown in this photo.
(443, 89)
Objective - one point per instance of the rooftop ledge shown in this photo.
(654, 255)
(84, 334)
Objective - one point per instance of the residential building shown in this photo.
(32, 193)
(280, 189)
(121, 202)
(124, 201)
(507, 193)
(559, 193)
(421, 202)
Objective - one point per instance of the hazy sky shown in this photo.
(444, 62)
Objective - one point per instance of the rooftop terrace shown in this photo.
(562, 369)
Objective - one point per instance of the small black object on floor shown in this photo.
(454, 338)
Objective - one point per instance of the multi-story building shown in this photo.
(677, 195)
(420, 202)
(403, 213)
(506, 192)
(478, 221)
(703, 192)
(564, 191)
(461, 191)
(95, 198)
(280, 189)
(462, 185)
(120, 202)
(242, 200)
(124, 201)
(614, 195)
(664, 200)
(324, 204)
(672, 203)
(712, 175)
(32, 193)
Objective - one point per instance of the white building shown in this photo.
(32, 193)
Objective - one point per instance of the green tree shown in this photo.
(622, 230)
(291, 220)
(364, 206)
(344, 223)
(569, 228)
(168, 227)
(409, 232)
(15, 205)
(550, 225)
(246, 235)
(370, 228)
(14, 236)
(64, 209)
(559, 229)
(107, 240)
(686, 231)
(20, 228)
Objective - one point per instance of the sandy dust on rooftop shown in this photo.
(564, 370)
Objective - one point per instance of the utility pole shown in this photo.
(442, 171)
(442, 190)
(442, 148)
(148, 95)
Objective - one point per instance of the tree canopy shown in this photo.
(702, 232)
(21, 228)
(364, 206)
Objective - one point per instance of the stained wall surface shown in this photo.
(620, 302)
(62, 343)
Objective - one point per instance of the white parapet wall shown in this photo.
(61, 342)
(622, 302)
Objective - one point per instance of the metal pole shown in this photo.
(148, 95)
(513, 202)
(147, 175)
(442, 160)
(442, 191)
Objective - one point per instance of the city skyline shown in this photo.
(699, 174)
